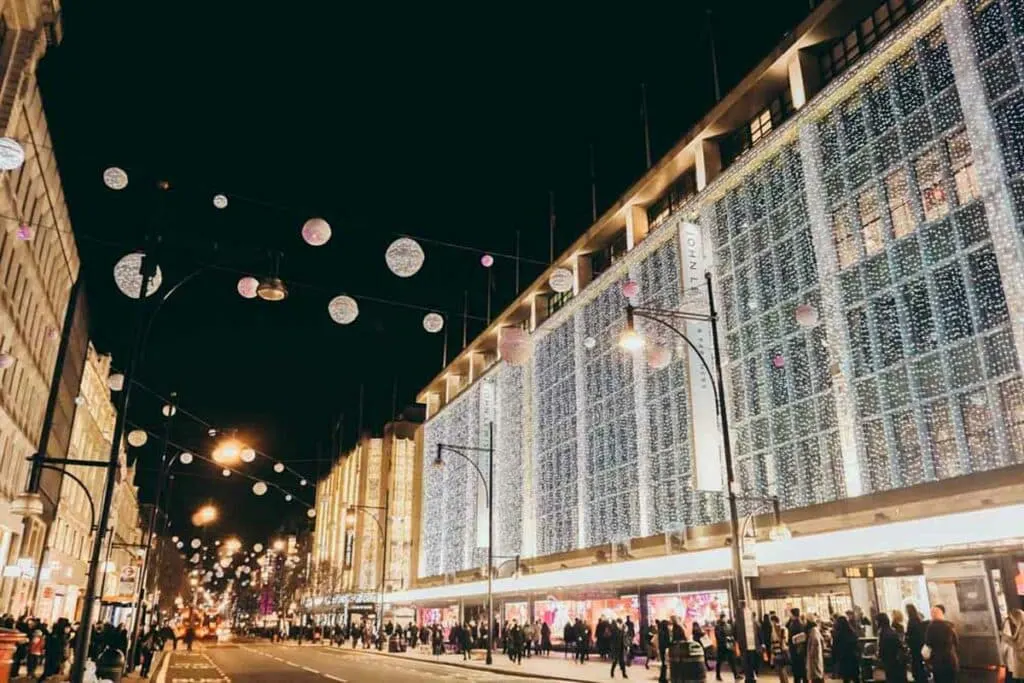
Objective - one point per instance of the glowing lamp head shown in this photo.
(206, 515)
(227, 452)
(630, 340)
(185, 458)
(272, 289)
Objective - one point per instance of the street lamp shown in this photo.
(632, 341)
(350, 521)
(227, 452)
(205, 515)
(488, 483)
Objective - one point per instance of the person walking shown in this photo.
(190, 636)
(941, 643)
(891, 650)
(516, 641)
(1013, 644)
(726, 641)
(663, 640)
(36, 644)
(916, 628)
(582, 640)
(568, 636)
(844, 650)
(545, 638)
(618, 640)
(815, 652)
(466, 642)
(778, 644)
(797, 646)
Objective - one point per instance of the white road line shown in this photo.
(334, 678)
(312, 671)
(161, 676)
(297, 666)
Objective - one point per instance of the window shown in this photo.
(872, 228)
(760, 126)
(942, 439)
(1011, 397)
(846, 244)
(981, 443)
(896, 191)
(962, 165)
(928, 168)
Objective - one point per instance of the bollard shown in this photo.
(686, 662)
(110, 665)
(9, 641)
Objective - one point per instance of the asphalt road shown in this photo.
(266, 663)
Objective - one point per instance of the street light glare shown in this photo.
(227, 452)
(630, 340)
(204, 515)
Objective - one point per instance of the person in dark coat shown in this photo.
(891, 650)
(465, 642)
(569, 636)
(618, 641)
(941, 638)
(916, 628)
(844, 651)
(516, 642)
(56, 648)
(664, 638)
(545, 638)
(725, 638)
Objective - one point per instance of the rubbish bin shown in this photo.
(110, 665)
(686, 662)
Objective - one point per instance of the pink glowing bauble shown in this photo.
(486, 260)
(316, 232)
(247, 286)
(6, 361)
(25, 232)
(630, 288)
(778, 361)
(51, 333)
(658, 357)
(514, 346)
(806, 315)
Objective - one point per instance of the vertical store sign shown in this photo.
(707, 456)
(487, 397)
(350, 543)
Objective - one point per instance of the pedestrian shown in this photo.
(517, 641)
(36, 644)
(844, 650)
(582, 640)
(148, 644)
(545, 638)
(797, 646)
(778, 640)
(726, 640)
(1013, 642)
(190, 636)
(892, 650)
(568, 636)
(940, 647)
(815, 652)
(664, 638)
(916, 628)
(618, 641)
(56, 649)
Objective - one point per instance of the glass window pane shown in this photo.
(988, 289)
(898, 196)
(928, 169)
(872, 226)
(942, 440)
(1011, 399)
(846, 243)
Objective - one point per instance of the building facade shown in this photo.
(856, 202)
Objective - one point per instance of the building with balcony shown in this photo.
(857, 200)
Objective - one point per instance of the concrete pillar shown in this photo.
(804, 77)
(538, 311)
(583, 273)
(451, 387)
(708, 162)
(636, 225)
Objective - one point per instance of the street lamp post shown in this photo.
(631, 340)
(488, 483)
(384, 533)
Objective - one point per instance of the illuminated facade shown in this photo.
(867, 174)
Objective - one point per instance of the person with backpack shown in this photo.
(725, 637)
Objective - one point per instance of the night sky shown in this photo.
(448, 124)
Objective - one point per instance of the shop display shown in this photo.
(896, 592)
(557, 613)
(517, 611)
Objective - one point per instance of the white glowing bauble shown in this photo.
(433, 323)
(303, 482)
(79, 400)
(185, 458)
(196, 543)
(247, 454)
(115, 178)
(129, 279)
(169, 410)
(561, 280)
(343, 309)
(259, 488)
(175, 539)
(220, 201)
(258, 547)
(279, 467)
(225, 562)
(179, 544)
(806, 315)
(288, 497)
(515, 345)
(589, 342)
(12, 154)
(630, 288)
(137, 437)
(225, 472)
(316, 232)
(404, 257)
(658, 357)
(311, 513)
(115, 381)
(195, 558)
(6, 361)
(247, 286)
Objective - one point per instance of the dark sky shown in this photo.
(451, 124)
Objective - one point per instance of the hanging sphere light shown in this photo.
(303, 482)
(658, 357)
(6, 361)
(343, 309)
(259, 488)
(515, 345)
(195, 558)
(25, 232)
(486, 260)
(404, 257)
(129, 279)
(311, 513)
(258, 547)
(169, 410)
(138, 437)
(220, 201)
(79, 400)
(589, 343)
(115, 178)
(175, 539)
(560, 280)
(806, 315)
(778, 361)
(630, 288)
(433, 323)
(247, 454)
(196, 543)
(115, 381)
(247, 287)
(185, 458)
(316, 232)
(225, 472)
(288, 497)
(179, 544)
(12, 154)
(279, 467)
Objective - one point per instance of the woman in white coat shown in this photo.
(815, 652)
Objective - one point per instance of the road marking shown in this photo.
(312, 671)
(161, 675)
(334, 678)
(293, 664)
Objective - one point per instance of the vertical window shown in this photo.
(942, 439)
(905, 430)
(928, 168)
(846, 244)
(1011, 398)
(871, 225)
(981, 443)
(760, 126)
(897, 195)
(962, 165)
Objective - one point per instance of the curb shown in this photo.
(474, 667)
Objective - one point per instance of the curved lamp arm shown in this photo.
(441, 447)
(88, 496)
(647, 316)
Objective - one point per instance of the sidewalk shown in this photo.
(555, 667)
(130, 677)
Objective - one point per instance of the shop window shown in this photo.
(846, 243)
(602, 259)
(556, 300)
(872, 227)
(760, 126)
(974, 410)
(928, 169)
(942, 440)
(965, 177)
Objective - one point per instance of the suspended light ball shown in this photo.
(279, 467)
(169, 410)
(137, 437)
(225, 472)
(561, 280)
(129, 279)
(247, 454)
(175, 539)
(258, 547)
(630, 288)
(185, 458)
(195, 558)
(303, 482)
(179, 544)
(115, 381)
(658, 357)
(589, 342)
(6, 361)
(404, 257)
(343, 309)
(288, 497)
(196, 543)
(220, 201)
(51, 333)
(486, 260)
(515, 345)
(778, 361)
(115, 178)
(247, 286)
(25, 232)
(806, 315)
(79, 400)
(316, 232)
(259, 488)
(433, 323)
(12, 154)
(311, 513)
